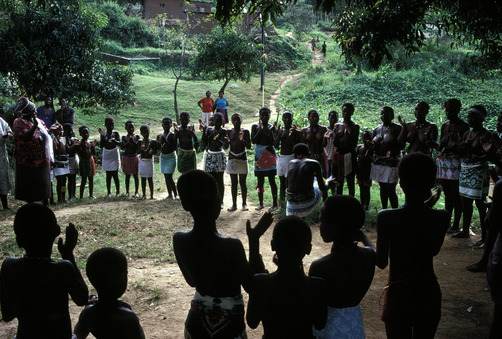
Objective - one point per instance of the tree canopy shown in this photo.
(51, 48)
(226, 55)
(368, 29)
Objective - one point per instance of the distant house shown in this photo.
(177, 10)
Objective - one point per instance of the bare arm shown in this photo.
(78, 290)
(382, 249)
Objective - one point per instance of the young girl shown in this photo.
(146, 149)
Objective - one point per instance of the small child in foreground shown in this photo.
(409, 238)
(287, 302)
(108, 317)
(34, 289)
(348, 269)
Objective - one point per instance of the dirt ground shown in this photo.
(466, 308)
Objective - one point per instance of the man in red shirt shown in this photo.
(206, 104)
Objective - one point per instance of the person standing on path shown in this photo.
(207, 106)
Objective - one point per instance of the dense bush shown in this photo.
(129, 31)
(284, 53)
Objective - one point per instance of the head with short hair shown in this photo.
(107, 271)
(366, 135)
(82, 130)
(36, 227)
(421, 110)
(144, 129)
(301, 149)
(417, 174)
(218, 119)
(109, 121)
(291, 239)
(236, 118)
(387, 114)
(68, 128)
(452, 107)
(206, 201)
(184, 118)
(342, 216)
(349, 106)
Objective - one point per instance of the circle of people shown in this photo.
(312, 159)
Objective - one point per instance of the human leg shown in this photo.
(283, 185)
(143, 187)
(364, 192)
(91, 186)
(496, 326)
(83, 182)
(115, 176)
(398, 330)
(392, 194)
(150, 185)
(481, 206)
(127, 182)
(351, 184)
(3, 197)
(108, 182)
(244, 190)
(61, 187)
(259, 187)
(273, 188)
(383, 195)
(234, 181)
(136, 184)
(467, 212)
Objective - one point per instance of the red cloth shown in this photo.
(29, 153)
(207, 104)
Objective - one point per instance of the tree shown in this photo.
(368, 29)
(177, 38)
(226, 55)
(51, 48)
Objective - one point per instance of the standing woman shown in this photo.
(387, 156)
(33, 152)
(5, 176)
(221, 106)
(474, 171)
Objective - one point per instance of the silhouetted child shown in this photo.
(215, 265)
(34, 289)
(215, 162)
(110, 143)
(237, 166)
(410, 236)
(348, 269)
(73, 159)
(287, 302)
(108, 317)
(364, 161)
(130, 159)
(167, 143)
(146, 149)
(87, 168)
(187, 141)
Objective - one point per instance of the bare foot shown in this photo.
(245, 208)
(259, 207)
(480, 242)
(127, 195)
(136, 195)
(143, 197)
(231, 209)
(460, 234)
(477, 267)
(273, 208)
(170, 197)
(152, 198)
(452, 230)
(92, 197)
